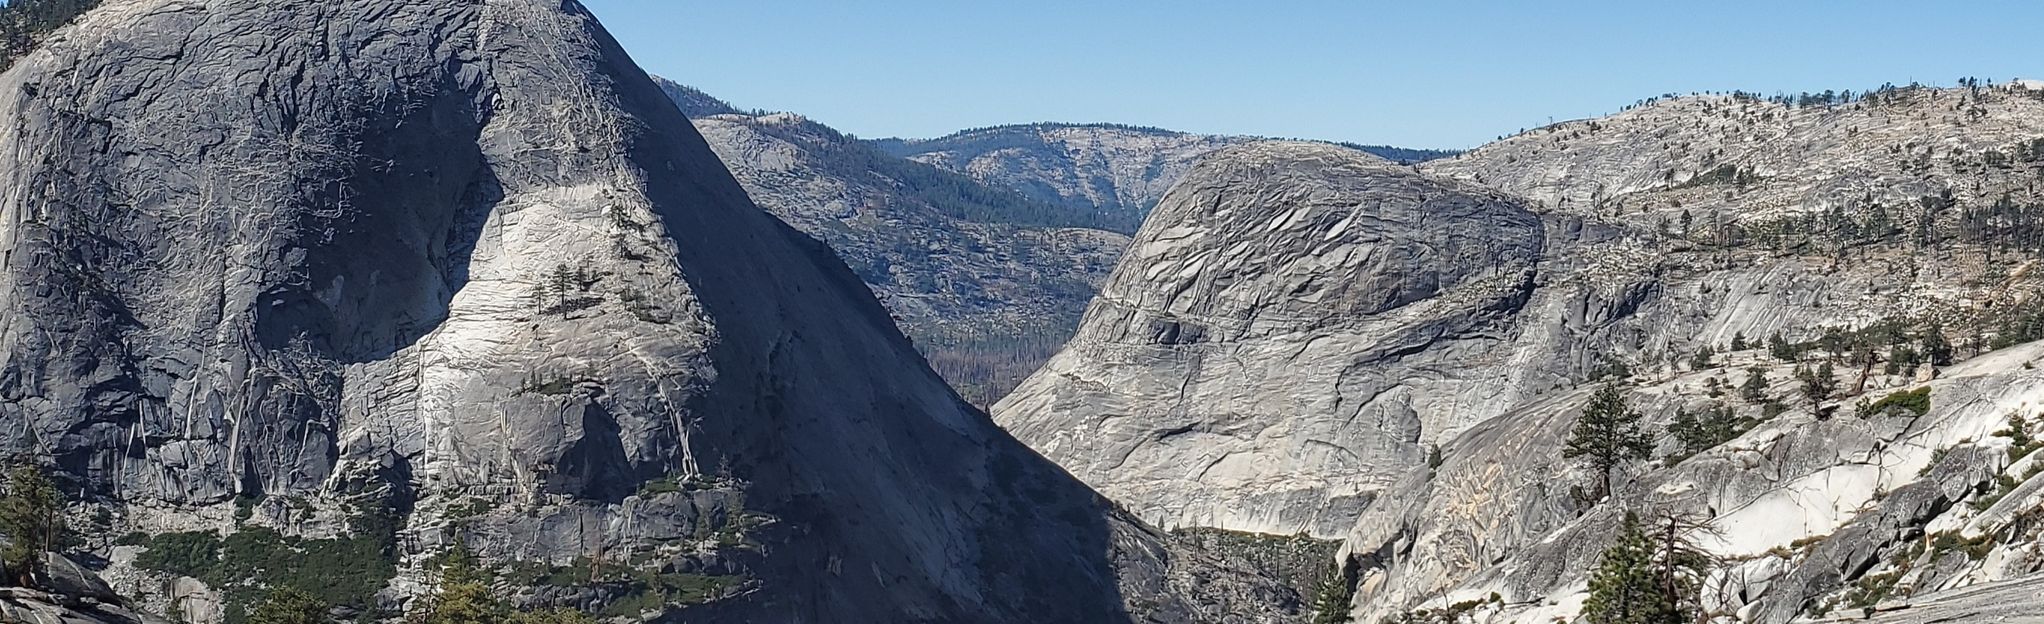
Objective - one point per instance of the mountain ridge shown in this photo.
(986, 281)
(911, 146)
(989, 280)
(1116, 169)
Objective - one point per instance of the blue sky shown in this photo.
(1444, 73)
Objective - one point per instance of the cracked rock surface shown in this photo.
(958, 286)
(1225, 378)
(466, 255)
(1244, 366)
(1118, 171)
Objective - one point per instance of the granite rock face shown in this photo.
(1249, 365)
(34, 607)
(1808, 512)
(1239, 395)
(72, 595)
(1119, 171)
(1728, 160)
(1760, 218)
(986, 281)
(2007, 602)
(465, 262)
(986, 244)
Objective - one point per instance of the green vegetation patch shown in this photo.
(1299, 560)
(342, 571)
(1705, 429)
(643, 590)
(1907, 402)
(245, 565)
(1976, 548)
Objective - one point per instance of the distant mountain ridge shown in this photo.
(989, 282)
(1105, 175)
(908, 147)
(694, 102)
(1118, 170)
(988, 273)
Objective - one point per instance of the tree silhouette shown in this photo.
(1818, 385)
(1608, 435)
(1755, 388)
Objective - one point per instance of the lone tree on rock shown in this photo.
(1331, 606)
(1648, 577)
(1624, 590)
(1780, 349)
(1608, 433)
(1702, 359)
(31, 514)
(1755, 388)
(1936, 350)
(1818, 385)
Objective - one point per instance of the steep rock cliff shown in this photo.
(1840, 235)
(986, 281)
(457, 270)
(1249, 365)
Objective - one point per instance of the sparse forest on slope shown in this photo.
(1400, 155)
(1818, 318)
(1830, 414)
(694, 102)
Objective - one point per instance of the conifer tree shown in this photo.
(1780, 349)
(1936, 350)
(31, 515)
(1647, 577)
(464, 594)
(465, 597)
(289, 605)
(1739, 342)
(1701, 431)
(1755, 388)
(467, 602)
(1819, 384)
(1332, 604)
(1624, 590)
(1608, 434)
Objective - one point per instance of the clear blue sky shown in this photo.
(1441, 73)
